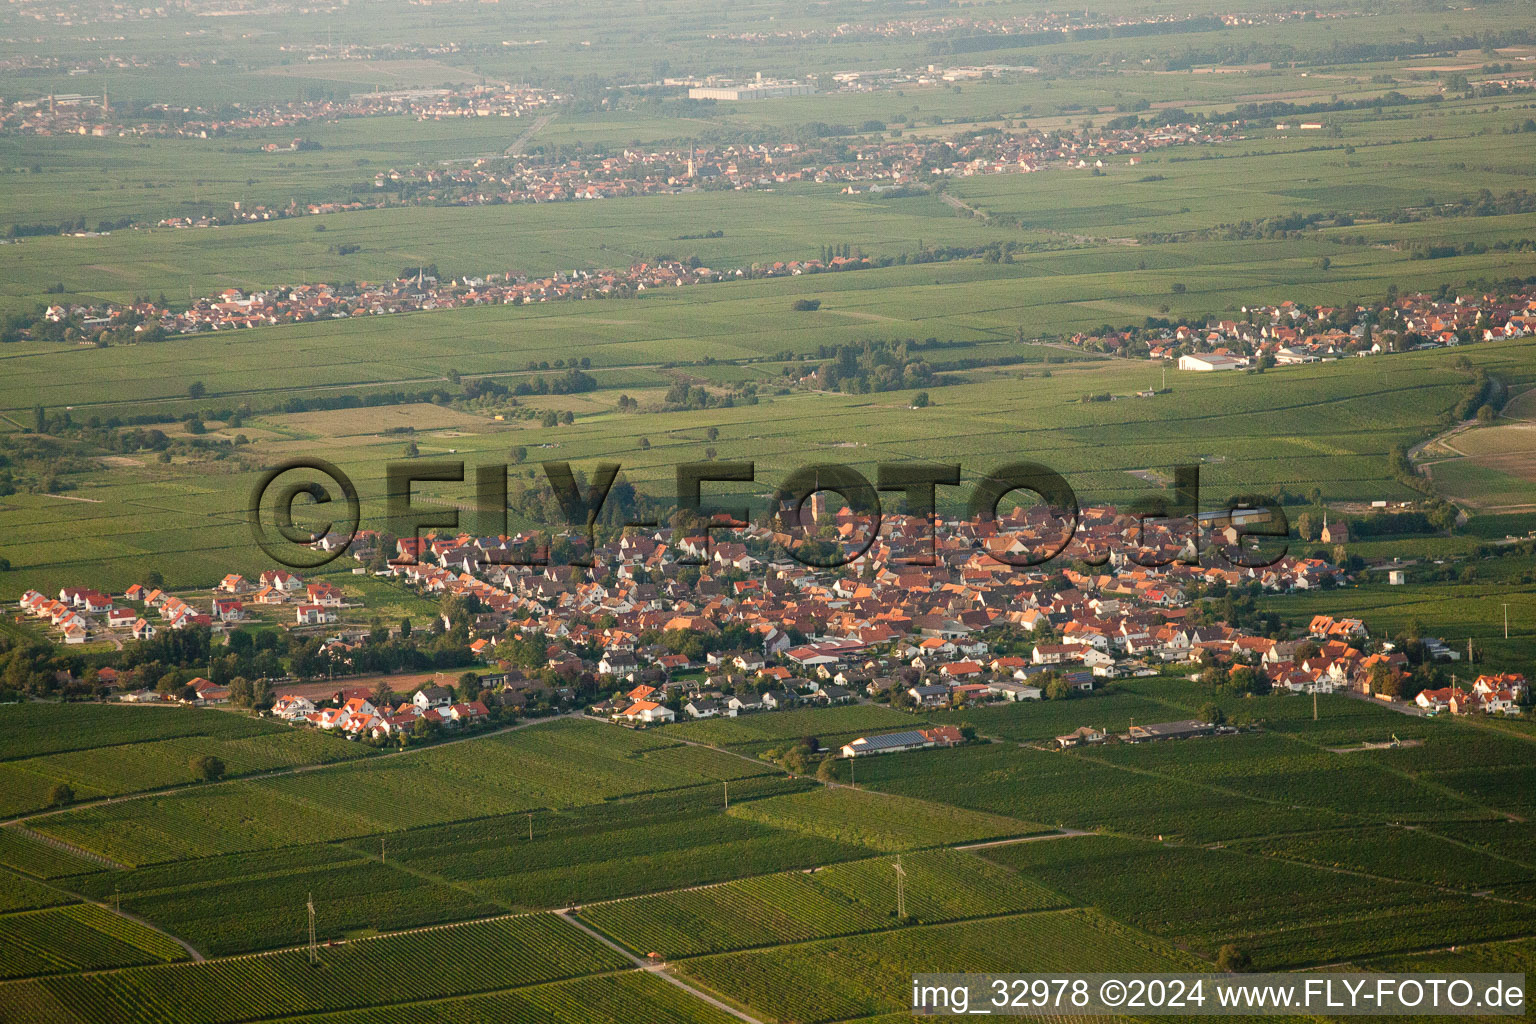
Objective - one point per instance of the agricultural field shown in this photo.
(29, 855)
(1284, 915)
(836, 979)
(1048, 787)
(1307, 434)
(881, 821)
(1405, 853)
(78, 937)
(553, 764)
(436, 963)
(242, 903)
(603, 999)
(858, 896)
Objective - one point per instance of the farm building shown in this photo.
(1168, 731)
(896, 742)
(1205, 362)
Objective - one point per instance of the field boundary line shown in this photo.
(1065, 833)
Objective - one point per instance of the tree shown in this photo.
(405, 628)
(713, 433)
(206, 767)
(241, 693)
(1233, 960)
(39, 420)
(412, 449)
(60, 794)
(197, 389)
(1057, 688)
(920, 400)
(827, 770)
(1242, 679)
(1211, 712)
(1486, 414)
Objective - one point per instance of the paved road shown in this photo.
(523, 139)
(1066, 833)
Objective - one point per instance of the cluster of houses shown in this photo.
(642, 704)
(1497, 694)
(358, 717)
(80, 115)
(81, 614)
(314, 604)
(1035, 23)
(1291, 333)
(233, 309)
(967, 628)
(928, 632)
(887, 162)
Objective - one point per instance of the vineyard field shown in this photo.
(370, 972)
(862, 975)
(880, 821)
(1393, 852)
(1283, 915)
(1048, 787)
(555, 764)
(24, 853)
(77, 937)
(858, 896)
(260, 905)
(18, 893)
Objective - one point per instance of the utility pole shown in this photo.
(530, 826)
(727, 786)
(1505, 606)
(381, 849)
(314, 952)
(901, 892)
(1314, 703)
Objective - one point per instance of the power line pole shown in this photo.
(727, 786)
(314, 952)
(1314, 703)
(381, 849)
(901, 892)
(1505, 606)
(530, 826)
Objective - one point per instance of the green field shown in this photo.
(859, 896)
(1284, 915)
